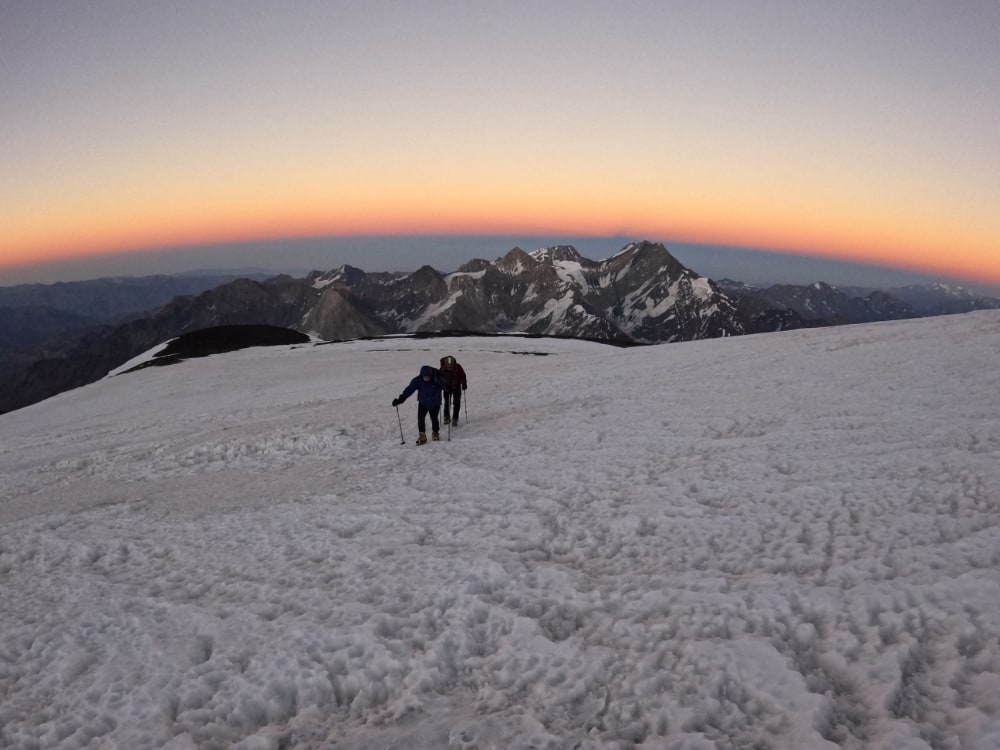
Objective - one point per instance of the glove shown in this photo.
(395, 402)
(464, 387)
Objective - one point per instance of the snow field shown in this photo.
(781, 541)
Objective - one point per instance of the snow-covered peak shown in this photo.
(954, 290)
(557, 253)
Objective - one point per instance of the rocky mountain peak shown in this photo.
(475, 266)
(644, 247)
(557, 254)
(516, 262)
(646, 259)
(344, 276)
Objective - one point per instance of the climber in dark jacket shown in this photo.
(452, 377)
(428, 389)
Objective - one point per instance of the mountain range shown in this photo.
(57, 337)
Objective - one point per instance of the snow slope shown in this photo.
(778, 541)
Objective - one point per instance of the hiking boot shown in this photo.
(454, 421)
(434, 436)
(447, 421)
(423, 438)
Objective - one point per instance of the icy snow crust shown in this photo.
(779, 541)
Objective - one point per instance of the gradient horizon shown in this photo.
(856, 131)
(447, 253)
(133, 257)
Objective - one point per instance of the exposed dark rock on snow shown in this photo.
(219, 339)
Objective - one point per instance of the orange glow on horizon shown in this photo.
(875, 239)
(787, 138)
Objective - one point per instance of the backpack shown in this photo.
(449, 372)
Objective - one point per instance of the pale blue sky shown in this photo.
(864, 129)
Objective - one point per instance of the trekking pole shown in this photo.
(466, 400)
(448, 420)
(402, 440)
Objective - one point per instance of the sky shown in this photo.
(853, 130)
(787, 541)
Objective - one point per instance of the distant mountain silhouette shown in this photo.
(642, 294)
